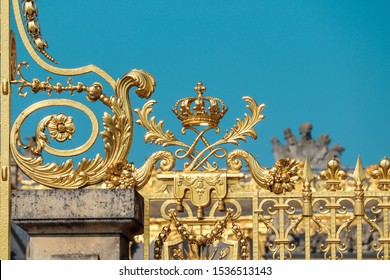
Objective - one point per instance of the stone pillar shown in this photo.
(78, 224)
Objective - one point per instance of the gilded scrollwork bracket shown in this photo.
(117, 134)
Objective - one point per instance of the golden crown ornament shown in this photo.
(198, 115)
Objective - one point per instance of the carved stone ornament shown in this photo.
(317, 151)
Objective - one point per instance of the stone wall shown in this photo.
(78, 224)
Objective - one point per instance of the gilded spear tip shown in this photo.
(358, 174)
(307, 173)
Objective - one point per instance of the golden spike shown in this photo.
(307, 208)
(358, 174)
(359, 210)
(307, 173)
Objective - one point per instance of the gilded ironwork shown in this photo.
(199, 115)
(49, 67)
(334, 223)
(13, 56)
(42, 141)
(45, 86)
(30, 12)
(123, 174)
(60, 127)
(332, 247)
(8, 56)
(200, 185)
(278, 209)
(382, 173)
(281, 177)
(200, 240)
(333, 175)
(200, 158)
(117, 135)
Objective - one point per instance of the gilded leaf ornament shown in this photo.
(245, 127)
(30, 12)
(155, 133)
(123, 174)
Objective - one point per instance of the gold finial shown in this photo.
(200, 88)
(333, 175)
(382, 173)
(307, 195)
(358, 174)
(307, 174)
(383, 170)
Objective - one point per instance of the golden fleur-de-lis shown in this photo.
(382, 173)
(333, 175)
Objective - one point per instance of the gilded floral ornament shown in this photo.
(120, 175)
(283, 176)
(280, 178)
(61, 127)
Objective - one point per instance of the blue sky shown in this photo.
(324, 62)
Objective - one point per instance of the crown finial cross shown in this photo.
(200, 88)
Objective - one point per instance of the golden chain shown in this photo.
(201, 239)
